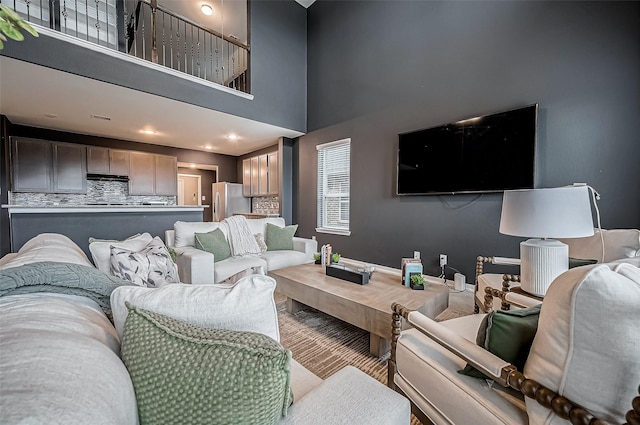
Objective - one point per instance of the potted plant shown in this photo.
(11, 26)
(335, 258)
(416, 280)
(317, 257)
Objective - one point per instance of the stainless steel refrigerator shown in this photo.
(228, 200)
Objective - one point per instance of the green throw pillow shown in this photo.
(187, 374)
(279, 238)
(508, 334)
(215, 243)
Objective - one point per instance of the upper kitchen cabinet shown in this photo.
(166, 175)
(31, 165)
(107, 161)
(151, 174)
(260, 175)
(246, 177)
(69, 168)
(48, 167)
(273, 187)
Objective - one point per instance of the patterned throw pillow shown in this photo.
(187, 374)
(152, 266)
(260, 241)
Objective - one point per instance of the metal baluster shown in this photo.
(106, 18)
(97, 24)
(185, 46)
(192, 71)
(77, 24)
(164, 48)
(198, 49)
(40, 10)
(86, 14)
(178, 62)
(64, 14)
(204, 54)
(126, 26)
(171, 38)
(135, 34)
(144, 39)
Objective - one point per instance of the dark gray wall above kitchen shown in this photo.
(380, 68)
(278, 68)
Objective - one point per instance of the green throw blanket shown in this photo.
(61, 278)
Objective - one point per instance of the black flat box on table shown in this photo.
(345, 273)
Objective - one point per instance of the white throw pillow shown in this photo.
(586, 347)
(152, 266)
(184, 231)
(246, 305)
(101, 250)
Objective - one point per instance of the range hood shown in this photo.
(107, 177)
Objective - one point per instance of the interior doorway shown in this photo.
(208, 175)
(189, 189)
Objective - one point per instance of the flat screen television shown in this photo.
(491, 153)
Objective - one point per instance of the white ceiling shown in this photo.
(28, 93)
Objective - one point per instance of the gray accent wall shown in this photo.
(278, 68)
(380, 68)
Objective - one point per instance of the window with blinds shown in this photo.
(334, 164)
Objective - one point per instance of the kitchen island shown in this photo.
(81, 222)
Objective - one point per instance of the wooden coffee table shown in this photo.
(365, 306)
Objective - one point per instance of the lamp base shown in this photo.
(542, 260)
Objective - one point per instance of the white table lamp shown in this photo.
(563, 212)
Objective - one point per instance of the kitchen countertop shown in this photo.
(30, 209)
(256, 215)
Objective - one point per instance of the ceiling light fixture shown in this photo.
(147, 132)
(206, 9)
(232, 137)
(208, 147)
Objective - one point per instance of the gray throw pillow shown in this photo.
(280, 238)
(214, 242)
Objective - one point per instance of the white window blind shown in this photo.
(334, 165)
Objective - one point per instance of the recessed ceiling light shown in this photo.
(147, 132)
(206, 9)
(192, 166)
(232, 137)
(208, 147)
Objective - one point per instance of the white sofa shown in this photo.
(198, 267)
(61, 363)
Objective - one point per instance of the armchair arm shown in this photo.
(483, 360)
(195, 266)
(307, 246)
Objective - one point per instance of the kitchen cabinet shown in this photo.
(69, 168)
(48, 167)
(255, 176)
(246, 177)
(166, 175)
(260, 175)
(151, 174)
(263, 180)
(31, 165)
(273, 187)
(107, 161)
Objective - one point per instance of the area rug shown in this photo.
(324, 344)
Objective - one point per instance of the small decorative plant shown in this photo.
(335, 257)
(417, 281)
(11, 26)
(317, 256)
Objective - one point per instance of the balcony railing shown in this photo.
(150, 32)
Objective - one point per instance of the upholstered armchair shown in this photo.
(583, 362)
(500, 282)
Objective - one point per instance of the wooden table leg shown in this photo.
(378, 346)
(294, 306)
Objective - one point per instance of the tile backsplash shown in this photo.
(265, 205)
(98, 192)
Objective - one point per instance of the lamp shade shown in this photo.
(562, 212)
